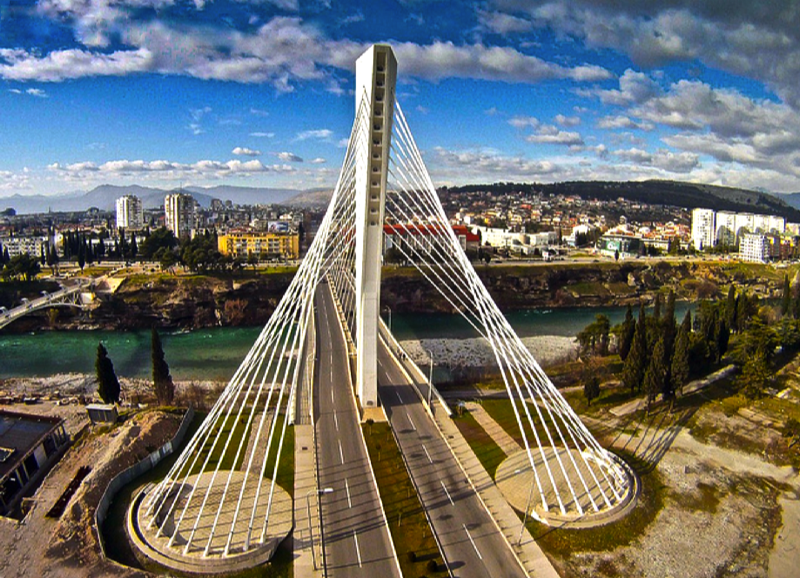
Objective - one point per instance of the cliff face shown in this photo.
(200, 301)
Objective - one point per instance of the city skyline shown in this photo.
(164, 93)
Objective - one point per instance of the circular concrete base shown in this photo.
(603, 491)
(233, 546)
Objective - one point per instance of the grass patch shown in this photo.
(285, 476)
(587, 288)
(487, 452)
(411, 533)
(563, 543)
(216, 453)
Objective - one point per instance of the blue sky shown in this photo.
(259, 92)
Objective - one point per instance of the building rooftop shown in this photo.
(19, 434)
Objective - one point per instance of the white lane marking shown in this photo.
(331, 368)
(424, 449)
(472, 541)
(347, 491)
(341, 453)
(358, 551)
(332, 400)
(411, 422)
(336, 422)
(452, 503)
(400, 399)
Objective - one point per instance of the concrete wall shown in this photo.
(136, 470)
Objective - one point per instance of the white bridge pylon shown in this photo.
(383, 180)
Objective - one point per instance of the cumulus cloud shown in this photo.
(244, 151)
(164, 167)
(288, 157)
(567, 120)
(662, 159)
(549, 134)
(318, 161)
(321, 134)
(524, 121)
(623, 122)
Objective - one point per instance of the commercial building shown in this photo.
(241, 244)
(422, 238)
(180, 214)
(129, 213)
(29, 446)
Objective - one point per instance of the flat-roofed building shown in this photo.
(244, 243)
(129, 213)
(29, 446)
(703, 230)
(754, 247)
(180, 214)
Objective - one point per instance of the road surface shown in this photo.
(473, 546)
(357, 540)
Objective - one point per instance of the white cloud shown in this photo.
(524, 121)
(623, 122)
(549, 134)
(321, 134)
(567, 120)
(318, 161)
(262, 134)
(288, 157)
(502, 23)
(244, 151)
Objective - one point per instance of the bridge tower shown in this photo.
(376, 74)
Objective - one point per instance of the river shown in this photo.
(214, 354)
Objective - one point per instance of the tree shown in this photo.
(626, 334)
(723, 336)
(636, 362)
(591, 388)
(786, 298)
(656, 374)
(162, 380)
(730, 307)
(82, 256)
(22, 267)
(679, 367)
(107, 383)
(756, 376)
(594, 337)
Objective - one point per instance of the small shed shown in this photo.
(102, 412)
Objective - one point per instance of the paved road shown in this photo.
(474, 547)
(357, 540)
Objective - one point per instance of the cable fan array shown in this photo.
(572, 472)
(236, 448)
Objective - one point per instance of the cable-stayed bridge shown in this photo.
(224, 504)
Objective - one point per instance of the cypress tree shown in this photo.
(591, 389)
(636, 362)
(786, 299)
(107, 382)
(162, 380)
(670, 329)
(657, 307)
(723, 336)
(656, 373)
(796, 302)
(679, 368)
(730, 307)
(626, 335)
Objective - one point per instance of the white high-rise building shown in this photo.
(754, 247)
(726, 230)
(703, 231)
(179, 213)
(129, 212)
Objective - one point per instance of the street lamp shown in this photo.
(319, 492)
(527, 508)
(389, 309)
(430, 378)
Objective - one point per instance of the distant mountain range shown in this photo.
(688, 195)
(104, 197)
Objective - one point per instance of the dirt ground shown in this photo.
(40, 546)
(725, 512)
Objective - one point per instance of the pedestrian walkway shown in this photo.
(499, 435)
(306, 505)
(525, 547)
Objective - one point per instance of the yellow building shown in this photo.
(242, 244)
